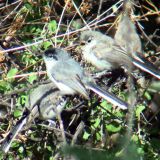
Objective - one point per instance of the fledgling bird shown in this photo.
(48, 98)
(45, 102)
(126, 35)
(105, 53)
(70, 77)
(99, 50)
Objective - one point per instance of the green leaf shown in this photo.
(32, 78)
(4, 86)
(106, 105)
(17, 113)
(139, 110)
(148, 96)
(15, 144)
(46, 44)
(22, 100)
(135, 138)
(52, 26)
(38, 31)
(119, 114)
(86, 135)
(49, 148)
(28, 59)
(28, 6)
(113, 128)
(21, 149)
(98, 136)
(97, 122)
(12, 72)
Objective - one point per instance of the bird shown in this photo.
(99, 50)
(126, 35)
(71, 78)
(45, 102)
(104, 53)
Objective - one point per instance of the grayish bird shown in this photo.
(45, 102)
(126, 35)
(105, 53)
(100, 50)
(71, 78)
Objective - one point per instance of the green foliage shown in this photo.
(106, 105)
(46, 44)
(5, 86)
(52, 26)
(83, 153)
(32, 78)
(113, 128)
(17, 113)
(39, 23)
(86, 135)
(12, 72)
(22, 100)
(139, 110)
(148, 96)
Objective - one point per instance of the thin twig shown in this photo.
(10, 13)
(78, 131)
(94, 21)
(24, 75)
(10, 4)
(99, 10)
(146, 36)
(64, 8)
(86, 25)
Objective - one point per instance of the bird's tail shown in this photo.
(13, 133)
(147, 68)
(108, 96)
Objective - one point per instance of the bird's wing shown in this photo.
(102, 48)
(70, 75)
(111, 53)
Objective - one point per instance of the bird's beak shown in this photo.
(82, 43)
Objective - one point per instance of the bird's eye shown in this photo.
(89, 39)
(55, 57)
